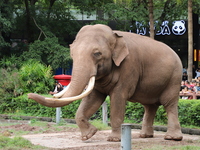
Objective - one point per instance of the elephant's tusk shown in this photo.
(61, 93)
(74, 98)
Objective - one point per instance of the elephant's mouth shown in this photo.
(59, 102)
(86, 92)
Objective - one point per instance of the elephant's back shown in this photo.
(153, 53)
(157, 64)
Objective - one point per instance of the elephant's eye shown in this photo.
(71, 54)
(97, 54)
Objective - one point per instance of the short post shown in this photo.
(105, 113)
(126, 136)
(58, 112)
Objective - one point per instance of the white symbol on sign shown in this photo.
(164, 29)
(141, 29)
(179, 27)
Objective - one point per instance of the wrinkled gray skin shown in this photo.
(127, 67)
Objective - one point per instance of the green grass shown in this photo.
(43, 127)
(99, 125)
(47, 95)
(17, 143)
(190, 126)
(17, 115)
(186, 147)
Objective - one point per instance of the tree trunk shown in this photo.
(151, 19)
(28, 18)
(50, 7)
(100, 14)
(190, 40)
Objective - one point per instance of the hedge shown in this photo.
(189, 110)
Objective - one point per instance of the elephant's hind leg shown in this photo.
(169, 99)
(173, 128)
(87, 108)
(147, 125)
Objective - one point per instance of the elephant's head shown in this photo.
(94, 52)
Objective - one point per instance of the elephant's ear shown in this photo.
(120, 50)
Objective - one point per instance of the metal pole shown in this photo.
(58, 112)
(126, 137)
(105, 113)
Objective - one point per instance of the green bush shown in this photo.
(31, 77)
(134, 112)
(50, 52)
(189, 113)
(161, 115)
(10, 86)
(189, 110)
(22, 104)
(36, 77)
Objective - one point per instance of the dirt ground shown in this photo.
(69, 138)
(71, 141)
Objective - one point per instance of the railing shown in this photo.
(193, 95)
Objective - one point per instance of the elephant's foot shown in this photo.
(114, 137)
(146, 132)
(88, 133)
(173, 136)
(145, 136)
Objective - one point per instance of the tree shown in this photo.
(151, 18)
(146, 12)
(6, 26)
(191, 8)
(190, 40)
(47, 25)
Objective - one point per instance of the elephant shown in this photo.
(127, 67)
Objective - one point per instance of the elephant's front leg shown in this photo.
(87, 108)
(117, 106)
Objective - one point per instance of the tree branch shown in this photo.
(40, 29)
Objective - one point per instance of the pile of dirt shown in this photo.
(24, 127)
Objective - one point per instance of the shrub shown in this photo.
(189, 110)
(36, 77)
(10, 63)
(31, 77)
(24, 105)
(9, 86)
(134, 112)
(50, 52)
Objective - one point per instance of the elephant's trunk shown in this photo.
(82, 76)
(67, 98)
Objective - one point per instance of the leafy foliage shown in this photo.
(49, 52)
(6, 23)
(31, 77)
(35, 77)
(9, 86)
(10, 63)
(134, 111)
(189, 112)
(28, 106)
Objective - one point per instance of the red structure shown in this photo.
(63, 79)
